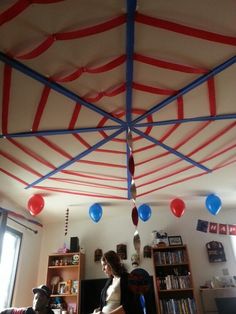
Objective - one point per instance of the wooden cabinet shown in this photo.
(173, 280)
(64, 275)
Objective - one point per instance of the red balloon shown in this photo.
(35, 204)
(177, 207)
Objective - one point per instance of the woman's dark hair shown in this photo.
(113, 260)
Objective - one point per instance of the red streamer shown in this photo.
(20, 163)
(185, 30)
(153, 90)
(104, 68)
(20, 6)
(168, 65)
(212, 97)
(13, 11)
(81, 193)
(13, 176)
(38, 50)
(92, 30)
(40, 108)
(118, 90)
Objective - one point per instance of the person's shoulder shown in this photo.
(29, 310)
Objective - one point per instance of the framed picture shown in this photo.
(62, 287)
(175, 240)
(75, 286)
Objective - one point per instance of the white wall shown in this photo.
(109, 232)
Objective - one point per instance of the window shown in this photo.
(233, 239)
(8, 265)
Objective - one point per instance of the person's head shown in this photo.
(41, 298)
(111, 264)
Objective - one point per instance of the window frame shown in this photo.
(19, 235)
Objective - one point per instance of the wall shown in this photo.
(109, 232)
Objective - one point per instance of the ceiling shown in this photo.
(88, 85)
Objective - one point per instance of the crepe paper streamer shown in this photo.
(185, 30)
(88, 31)
(100, 69)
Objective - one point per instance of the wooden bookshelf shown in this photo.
(173, 281)
(69, 274)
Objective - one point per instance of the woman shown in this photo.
(115, 296)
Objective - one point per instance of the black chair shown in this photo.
(226, 305)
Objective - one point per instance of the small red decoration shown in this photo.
(177, 207)
(35, 204)
(135, 216)
(131, 165)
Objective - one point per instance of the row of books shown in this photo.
(174, 282)
(170, 257)
(178, 306)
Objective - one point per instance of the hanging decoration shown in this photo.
(177, 207)
(213, 204)
(133, 194)
(66, 221)
(144, 212)
(95, 212)
(215, 251)
(35, 204)
(135, 216)
(213, 227)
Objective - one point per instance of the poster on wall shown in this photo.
(215, 251)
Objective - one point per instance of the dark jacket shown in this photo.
(129, 300)
(25, 310)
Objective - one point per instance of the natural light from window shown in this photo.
(233, 240)
(8, 265)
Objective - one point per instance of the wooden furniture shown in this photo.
(210, 295)
(64, 274)
(173, 282)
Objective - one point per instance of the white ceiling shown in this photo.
(75, 72)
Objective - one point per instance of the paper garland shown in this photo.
(213, 227)
(133, 193)
(66, 221)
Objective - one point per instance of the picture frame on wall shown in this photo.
(175, 240)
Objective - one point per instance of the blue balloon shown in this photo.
(213, 204)
(95, 212)
(144, 212)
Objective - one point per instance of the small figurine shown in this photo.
(135, 260)
(75, 259)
